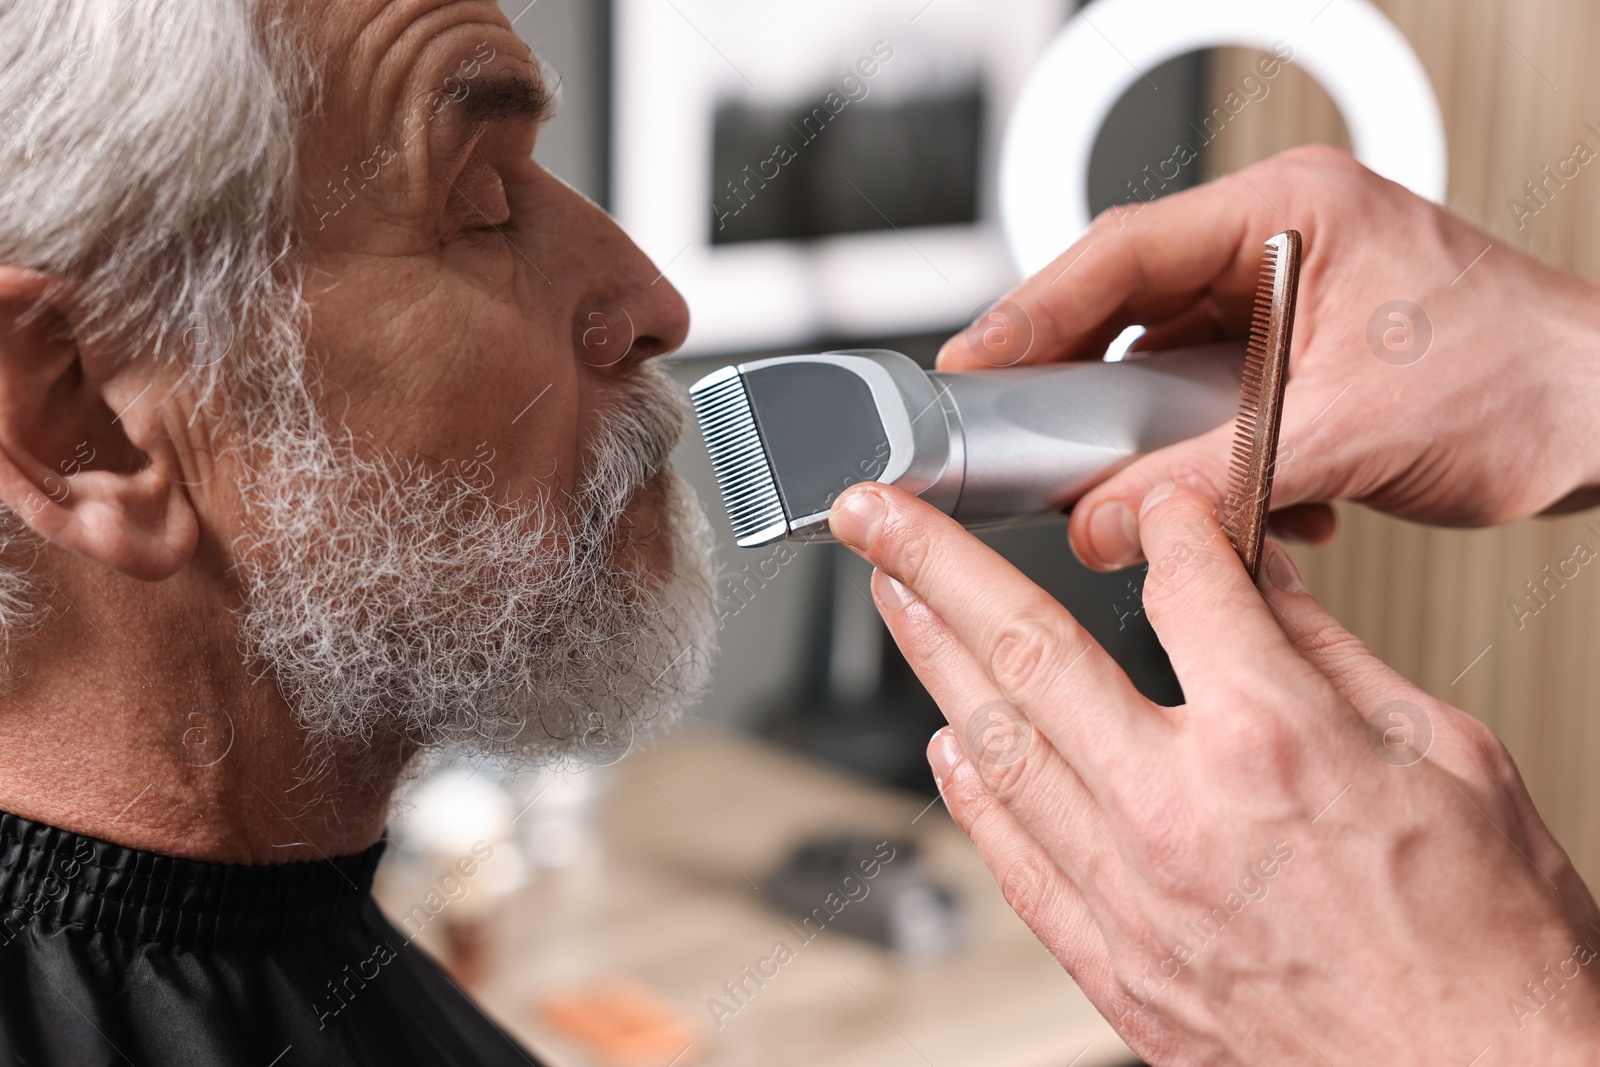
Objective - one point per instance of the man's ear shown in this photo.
(103, 484)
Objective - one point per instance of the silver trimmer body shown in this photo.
(994, 447)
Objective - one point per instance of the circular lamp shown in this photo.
(1358, 56)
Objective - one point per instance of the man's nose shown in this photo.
(635, 314)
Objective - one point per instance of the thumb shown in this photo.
(1103, 528)
(1104, 525)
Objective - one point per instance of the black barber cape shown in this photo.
(112, 956)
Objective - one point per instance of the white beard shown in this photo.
(391, 602)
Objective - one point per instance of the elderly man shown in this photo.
(327, 435)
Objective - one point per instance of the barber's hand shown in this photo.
(1487, 421)
(1310, 862)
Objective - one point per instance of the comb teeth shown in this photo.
(738, 458)
(1266, 372)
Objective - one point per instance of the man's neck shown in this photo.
(152, 732)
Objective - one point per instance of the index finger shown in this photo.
(1140, 264)
(1212, 621)
(1040, 659)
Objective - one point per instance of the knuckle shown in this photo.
(1009, 781)
(1293, 178)
(1191, 559)
(924, 639)
(1484, 749)
(969, 801)
(1020, 651)
(1022, 884)
(1248, 743)
(910, 546)
(1028, 653)
(1201, 470)
(1166, 840)
(1142, 1027)
(1026, 886)
(1109, 220)
(998, 734)
(1321, 157)
(1326, 640)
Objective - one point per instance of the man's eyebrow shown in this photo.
(502, 96)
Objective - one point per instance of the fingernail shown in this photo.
(1114, 534)
(857, 516)
(891, 594)
(1282, 572)
(943, 754)
(1156, 496)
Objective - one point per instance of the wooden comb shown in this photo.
(1266, 372)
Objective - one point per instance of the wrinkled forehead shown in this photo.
(388, 65)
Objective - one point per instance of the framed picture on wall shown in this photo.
(810, 169)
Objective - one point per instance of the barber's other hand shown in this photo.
(1489, 421)
(1310, 862)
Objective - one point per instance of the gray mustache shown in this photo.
(634, 441)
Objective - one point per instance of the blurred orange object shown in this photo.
(624, 1023)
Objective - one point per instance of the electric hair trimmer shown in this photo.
(788, 435)
(995, 447)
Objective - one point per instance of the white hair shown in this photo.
(147, 152)
(396, 601)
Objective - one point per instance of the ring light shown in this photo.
(1358, 56)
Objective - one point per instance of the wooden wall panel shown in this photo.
(1518, 82)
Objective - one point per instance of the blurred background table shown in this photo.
(669, 895)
